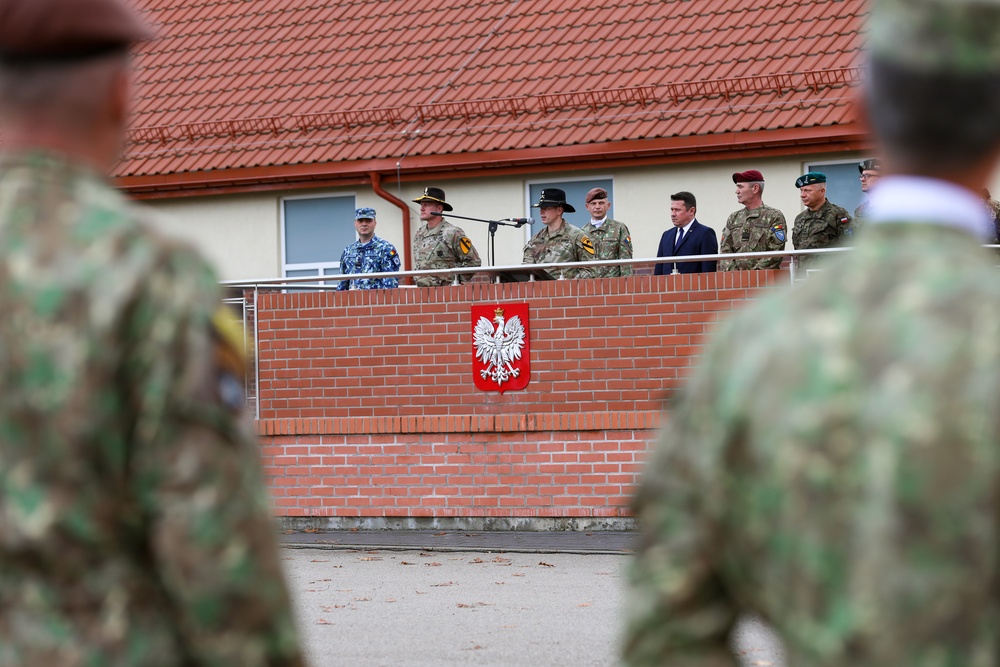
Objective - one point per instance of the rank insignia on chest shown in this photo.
(465, 244)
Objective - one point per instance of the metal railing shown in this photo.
(497, 273)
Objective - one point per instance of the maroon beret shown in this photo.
(55, 30)
(596, 193)
(749, 176)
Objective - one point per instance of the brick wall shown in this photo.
(368, 407)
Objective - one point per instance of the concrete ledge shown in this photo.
(459, 523)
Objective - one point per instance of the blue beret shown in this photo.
(366, 212)
(810, 178)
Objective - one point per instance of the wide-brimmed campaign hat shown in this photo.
(435, 195)
(554, 197)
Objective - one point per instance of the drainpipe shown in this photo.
(396, 201)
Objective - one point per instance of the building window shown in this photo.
(843, 183)
(575, 193)
(314, 233)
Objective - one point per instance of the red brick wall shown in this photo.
(368, 406)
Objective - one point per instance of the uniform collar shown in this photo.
(928, 201)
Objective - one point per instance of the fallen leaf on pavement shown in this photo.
(543, 563)
(403, 562)
(440, 534)
(434, 564)
(583, 604)
(323, 621)
(477, 560)
(447, 583)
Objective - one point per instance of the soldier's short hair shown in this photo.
(932, 122)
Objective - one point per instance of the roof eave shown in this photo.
(604, 155)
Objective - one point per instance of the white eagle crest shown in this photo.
(499, 348)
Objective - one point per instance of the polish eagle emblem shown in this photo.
(499, 348)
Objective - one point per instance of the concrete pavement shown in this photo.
(505, 600)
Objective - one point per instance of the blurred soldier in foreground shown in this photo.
(134, 526)
(611, 239)
(754, 228)
(833, 465)
(558, 241)
(823, 224)
(440, 244)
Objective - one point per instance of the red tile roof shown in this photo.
(251, 91)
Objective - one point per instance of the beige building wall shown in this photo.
(241, 234)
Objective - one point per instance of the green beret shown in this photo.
(937, 36)
(810, 178)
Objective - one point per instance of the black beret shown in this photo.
(65, 30)
(871, 164)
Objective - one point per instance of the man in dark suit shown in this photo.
(688, 237)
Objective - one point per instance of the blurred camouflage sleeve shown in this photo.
(197, 474)
(679, 611)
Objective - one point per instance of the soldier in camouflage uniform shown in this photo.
(134, 523)
(823, 224)
(559, 241)
(833, 463)
(611, 239)
(440, 244)
(870, 170)
(754, 228)
(993, 210)
(369, 254)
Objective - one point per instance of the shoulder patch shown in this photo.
(587, 244)
(845, 221)
(229, 350)
(465, 244)
(779, 232)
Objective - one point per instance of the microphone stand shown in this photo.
(494, 225)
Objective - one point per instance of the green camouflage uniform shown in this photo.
(826, 228)
(569, 244)
(993, 206)
(833, 465)
(761, 230)
(860, 217)
(612, 240)
(134, 525)
(443, 247)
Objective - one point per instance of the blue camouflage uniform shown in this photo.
(376, 256)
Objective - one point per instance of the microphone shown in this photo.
(521, 221)
(437, 214)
